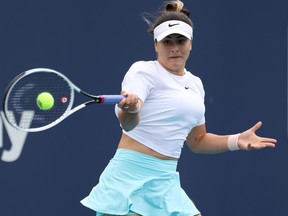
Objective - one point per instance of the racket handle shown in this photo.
(111, 99)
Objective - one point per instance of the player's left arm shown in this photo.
(200, 141)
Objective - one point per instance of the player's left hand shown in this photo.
(248, 140)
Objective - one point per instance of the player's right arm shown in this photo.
(129, 112)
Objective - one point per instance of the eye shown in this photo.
(181, 40)
(166, 41)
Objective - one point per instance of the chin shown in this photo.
(177, 67)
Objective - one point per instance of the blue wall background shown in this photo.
(239, 51)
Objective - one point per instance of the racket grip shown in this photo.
(111, 99)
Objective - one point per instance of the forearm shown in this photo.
(128, 120)
(209, 144)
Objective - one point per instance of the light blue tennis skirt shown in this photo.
(138, 183)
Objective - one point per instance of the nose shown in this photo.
(174, 48)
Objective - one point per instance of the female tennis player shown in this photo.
(163, 108)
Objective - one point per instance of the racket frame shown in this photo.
(69, 110)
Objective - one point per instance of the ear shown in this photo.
(191, 45)
(155, 46)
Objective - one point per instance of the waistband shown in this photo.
(144, 160)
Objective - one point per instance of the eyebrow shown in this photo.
(180, 36)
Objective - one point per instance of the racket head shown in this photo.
(20, 99)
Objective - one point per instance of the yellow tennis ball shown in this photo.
(45, 101)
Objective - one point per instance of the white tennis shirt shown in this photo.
(172, 106)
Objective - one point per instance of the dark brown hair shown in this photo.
(172, 10)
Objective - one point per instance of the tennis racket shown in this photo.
(20, 99)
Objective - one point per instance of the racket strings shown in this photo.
(21, 102)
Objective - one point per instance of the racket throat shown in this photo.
(96, 99)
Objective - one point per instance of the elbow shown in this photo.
(195, 148)
(196, 139)
(129, 125)
(128, 128)
(196, 145)
(128, 121)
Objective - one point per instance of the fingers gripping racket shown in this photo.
(40, 98)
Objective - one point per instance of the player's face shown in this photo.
(173, 52)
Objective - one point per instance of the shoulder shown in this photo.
(143, 69)
(141, 72)
(197, 80)
(143, 66)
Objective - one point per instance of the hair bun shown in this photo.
(171, 7)
(177, 6)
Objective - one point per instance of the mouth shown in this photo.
(175, 56)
